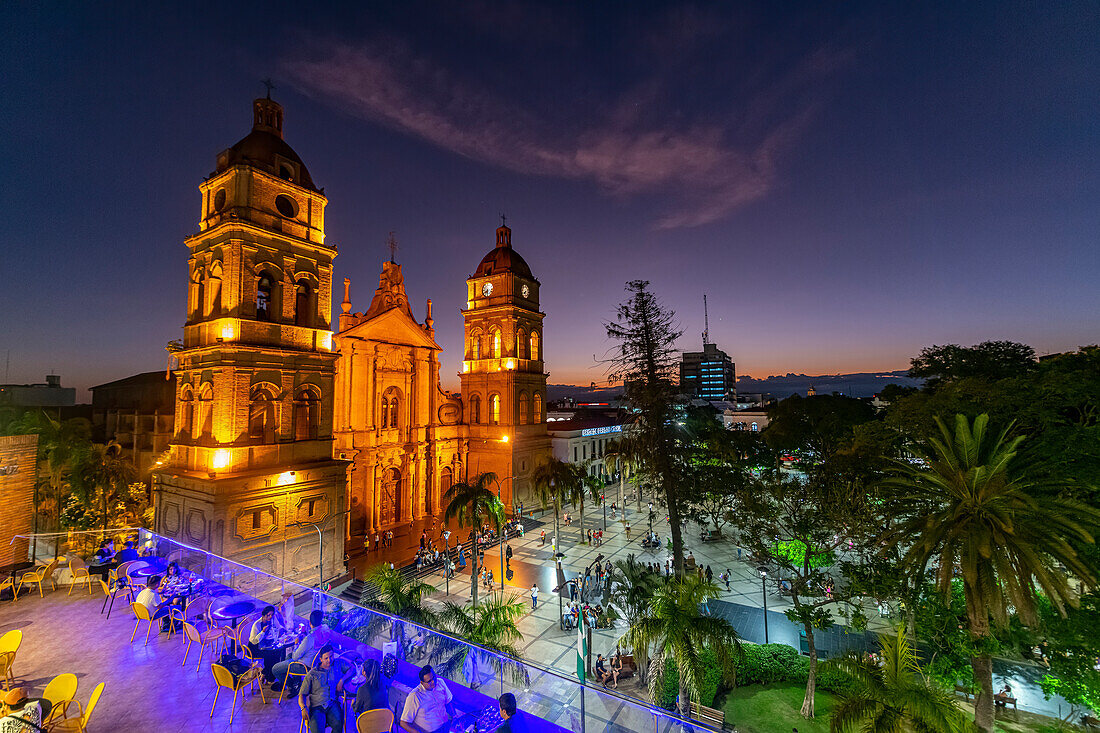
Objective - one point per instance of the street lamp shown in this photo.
(501, 529)
(320, 544)
(764, 593)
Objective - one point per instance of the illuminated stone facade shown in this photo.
(503, 381)
(252, 450)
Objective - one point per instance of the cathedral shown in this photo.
(284, 425)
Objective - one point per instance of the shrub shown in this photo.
(836, 680)
(767, 663)
(666, 693)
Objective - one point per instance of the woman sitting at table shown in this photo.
(261, 642)
(374, 693)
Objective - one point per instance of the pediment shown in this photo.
(392, 327)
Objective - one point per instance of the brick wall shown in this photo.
(18, 469)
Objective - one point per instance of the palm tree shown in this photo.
(401, 597)
(100, 467)
(622, 455)
(1007, 534)
(553, 481)
(584, 486)
(894, 696)
(491, 625)
(675, 628)
(468, 502)
(632, 591)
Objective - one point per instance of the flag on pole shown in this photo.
(582, 648)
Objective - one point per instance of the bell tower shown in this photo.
(503, 377)
(252, 453)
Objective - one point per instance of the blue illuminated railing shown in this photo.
(560, 701)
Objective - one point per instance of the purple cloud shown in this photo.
(705, 170)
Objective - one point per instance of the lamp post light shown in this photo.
(447, 559)
(764, 594)
(320, 543)
(502, 531)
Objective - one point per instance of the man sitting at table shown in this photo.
(158, 608)
(319, 698)
(302, 655)
(429, 707)
(261, 641)
(514, 720)
(126, 554)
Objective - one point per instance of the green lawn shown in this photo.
(774, 709)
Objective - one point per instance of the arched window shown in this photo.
(194, 295)
(212, 305)
(307, 414)
(494, 410)
(536, 416)
(187, 412)
(303, 304)
(475, 409)
(496, 343)
(261, 415)
(265, 305)
(446, 480)
(475, 345)
(534, 346)
(524, 406)
(521, 343)
(391, 407)
(755, 428)
(206, 411)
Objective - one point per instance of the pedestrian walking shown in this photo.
(542, 537)
(710, 575)
(727, 578)
(508, 556)
(534, 596)
(628, 530)
(376, 542)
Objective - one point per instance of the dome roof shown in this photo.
(503, 258)
(264, 147)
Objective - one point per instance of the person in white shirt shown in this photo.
(261, 640)
(429, 707)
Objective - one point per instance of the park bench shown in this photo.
(712, 717)
(629, 668)
(1090, 722)
(964, 691)
(1003, 701)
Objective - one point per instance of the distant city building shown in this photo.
(708, 374)
(47, 394)
(138, 413)
(585, 438)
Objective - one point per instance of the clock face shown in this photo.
(487, 289)
(526, 291)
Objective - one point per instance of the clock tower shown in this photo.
(503, 378)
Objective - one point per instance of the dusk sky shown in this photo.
(847, 182)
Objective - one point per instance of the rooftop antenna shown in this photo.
(392, 244)
(706, 322)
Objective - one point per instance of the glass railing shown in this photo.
(476, 676)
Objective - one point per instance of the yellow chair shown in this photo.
(60, 692)
(374, 721)
(39, 576)
(10, 583)
(224, 678)
(80, 724)
(80, 574)
(296, 669)
(9, 644)
(211, 637)
(6, 676)
(142, 614)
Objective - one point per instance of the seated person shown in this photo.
(602, 673)
(429, 707)
(126, 554)
(302, 655)
(103, 560)
(373, 694)
(514, 720)
(18, 711)
(319, 697)
(158, 608)
(616, 669)
(261, 642)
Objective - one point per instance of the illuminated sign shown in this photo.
(601, 431)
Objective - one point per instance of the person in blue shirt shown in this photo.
(302, 655)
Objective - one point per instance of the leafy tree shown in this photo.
(979, 513)
(403, 598)
(822, 424)
(893, 696)
(799, 527)
(675, 628)
(491, 625)
(553, 482)
(989, 360)
(100, 474)
(468, 502)
(622, 456)
(1072, 646)
(584, 486)
(59, 444)
(647, 362)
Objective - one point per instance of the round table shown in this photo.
(234, 612)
